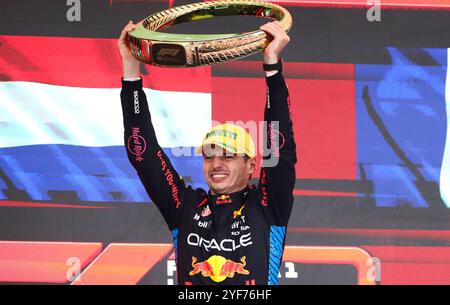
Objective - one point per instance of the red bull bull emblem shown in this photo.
(222, 199)
(218, 268)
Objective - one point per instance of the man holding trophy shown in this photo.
(235, 232)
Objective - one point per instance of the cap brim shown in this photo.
(199, 150)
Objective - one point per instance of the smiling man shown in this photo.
(228, 158)
(235, 232)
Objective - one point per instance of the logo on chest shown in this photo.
(227, 244)
(219, 268)
(205, 212)
(199, 219)
(238, 212)
(239, 224)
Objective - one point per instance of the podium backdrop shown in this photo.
(370, 104)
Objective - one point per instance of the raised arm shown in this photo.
(162, 183)
(277, 177)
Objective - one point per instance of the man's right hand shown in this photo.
(130, 64)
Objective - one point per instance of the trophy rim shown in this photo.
(205, 49)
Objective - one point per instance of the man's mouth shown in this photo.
(218, 177)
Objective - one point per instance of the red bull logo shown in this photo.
(223, 199)
(218, 268)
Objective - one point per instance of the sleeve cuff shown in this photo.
(131, 79)
(271, 73)
(132, 84)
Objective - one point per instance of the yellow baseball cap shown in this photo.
(230, 137)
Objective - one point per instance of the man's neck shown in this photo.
(228, 193)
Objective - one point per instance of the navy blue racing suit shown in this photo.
(235, 238)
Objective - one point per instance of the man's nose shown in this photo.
(217, 162)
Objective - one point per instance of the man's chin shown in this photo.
(218, 189)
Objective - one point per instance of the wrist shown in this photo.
(271, 59)
(130, 68)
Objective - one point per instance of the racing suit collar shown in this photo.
(219, 199)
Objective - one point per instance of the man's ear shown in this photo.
(252, 168)
(252, 165)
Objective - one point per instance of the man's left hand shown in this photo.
(280, 40)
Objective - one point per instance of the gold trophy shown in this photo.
(184, 50)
